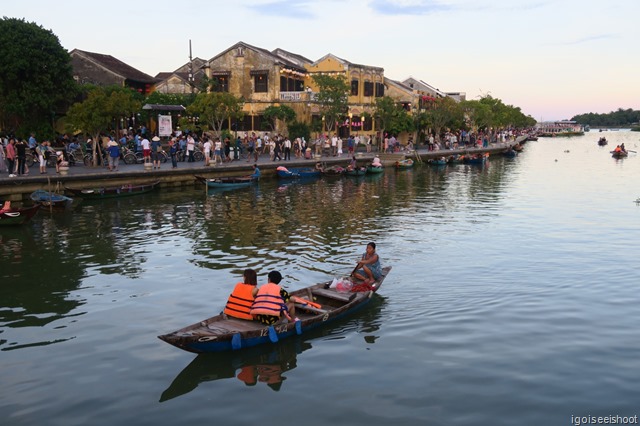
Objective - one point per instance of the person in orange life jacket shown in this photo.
(271, 301)
(242, 297)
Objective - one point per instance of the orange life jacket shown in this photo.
(240, 301)
(268, 301)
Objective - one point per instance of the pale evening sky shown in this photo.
(553, 59)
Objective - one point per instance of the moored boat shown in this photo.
(296, 173)
(222, 333)
(17, 215)
(371, 169)
(407, 163)
(441, 161)
(228, 181)
(476, 158)
(50, 199)
(112, 191)
(333, 171)
(358, 171)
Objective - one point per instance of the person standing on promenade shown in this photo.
(156, 147)
(114, 155)
(207, 151)
(173, 152)
(21, 155)
(217, 151)
(11, 157)
(287, 149)
(191, 147)
(146, 150)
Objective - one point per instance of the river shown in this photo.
(514, 298)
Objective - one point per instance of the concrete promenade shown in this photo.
(18, 188)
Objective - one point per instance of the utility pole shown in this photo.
(191, 79)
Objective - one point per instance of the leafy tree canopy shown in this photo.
(333, 97)
(281, 112)
(36, 78)
(213, 109)
(392, 117)
(619, 118)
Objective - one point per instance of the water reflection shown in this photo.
(266, 364)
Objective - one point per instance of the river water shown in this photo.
(514, 298)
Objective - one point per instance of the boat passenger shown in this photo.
(242, 297)
(272, 301)
(256, 172)
(368, 268)
(376, 162)
(353, 164)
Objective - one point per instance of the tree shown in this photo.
(213, 109)
(392, 117)
(36, 77)
(282, 112)
(101, 112)
(333, 97)
(477, 114)
(445, 112)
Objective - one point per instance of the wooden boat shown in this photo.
(221, 333)
(17, 216)
(407, 163)
(230, 182)
(619, 154)
(358, 171)
(374, 169)
(297, 173)
(476, 159)
(47, 199)
(113, 191)
(333, 171)
(602, 141)
(438, 161)
(510, 153)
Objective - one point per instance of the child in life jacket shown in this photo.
(272, 301)
(242, 297)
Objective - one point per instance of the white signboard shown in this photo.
(164, 125)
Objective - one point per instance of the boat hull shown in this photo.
(17, 216)
(112, 192)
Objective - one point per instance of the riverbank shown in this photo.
(18, 188)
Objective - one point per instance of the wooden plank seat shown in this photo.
(332, 294)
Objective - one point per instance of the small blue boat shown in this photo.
(297, 173)
(228, 182)
(50, 199)
(438, 161)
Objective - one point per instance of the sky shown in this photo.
(553, 59)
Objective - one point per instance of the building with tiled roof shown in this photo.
(105, 70)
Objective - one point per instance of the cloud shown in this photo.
(299, 9)
(588, 39)
(420, 7)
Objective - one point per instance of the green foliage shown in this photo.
(101, 111)
(392, 117)
(281, 112)
(298, 129)
(36, 78)
(333, 97)
(445, 113)
(489, 112)
(619, 118)
(213, 109)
